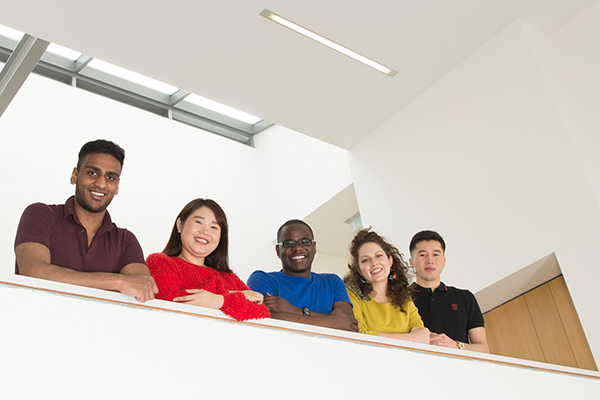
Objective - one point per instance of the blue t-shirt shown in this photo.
(318, 292)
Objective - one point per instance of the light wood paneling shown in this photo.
(572, 325)
(510, 331)
(548, 326)
(541, 325)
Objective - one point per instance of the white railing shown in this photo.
(76, 342)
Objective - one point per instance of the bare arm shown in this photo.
(138, 282)
(202, 298)
(419, 335)
(134, 280)
(250, 295)
(341, 316)
(476, 335)
(478, 340)
(237, 305)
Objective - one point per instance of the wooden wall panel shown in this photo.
(510, 332)
(548, 326)
(572, 325)
(541, 325)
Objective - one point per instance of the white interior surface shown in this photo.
(167, 164)
(490, 137)
(227, 52)
(76, 347)
(518, 283)
(485, 157)
(339, 208)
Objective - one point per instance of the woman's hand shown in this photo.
(202, 298)
(251, 295)
(421, 335)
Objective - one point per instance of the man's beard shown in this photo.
(83, 203)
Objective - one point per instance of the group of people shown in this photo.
(78, 243)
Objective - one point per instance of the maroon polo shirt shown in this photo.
(58, 228)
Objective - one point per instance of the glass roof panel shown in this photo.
(141, 91)
(222, 109)
(63, 52)
(132, 77)
(11, 33)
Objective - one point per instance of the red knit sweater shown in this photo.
(173, 275)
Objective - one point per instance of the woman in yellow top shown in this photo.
(378, 288)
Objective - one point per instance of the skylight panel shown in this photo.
(132, 77)
(63, 52)
(11, 33)
(81, 71)
(222, 109)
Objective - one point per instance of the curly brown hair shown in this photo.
(397, 287)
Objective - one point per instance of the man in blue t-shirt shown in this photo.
(297, 294)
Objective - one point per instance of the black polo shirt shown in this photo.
(448, 310)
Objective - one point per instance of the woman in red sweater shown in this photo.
(194, 266)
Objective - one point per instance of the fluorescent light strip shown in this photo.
(222, 109)
(132, 76)
(318, 38)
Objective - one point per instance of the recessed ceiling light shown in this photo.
(331, 44)
(222, 109)
(132, 76)
(63, 52)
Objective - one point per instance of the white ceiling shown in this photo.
(225, 51)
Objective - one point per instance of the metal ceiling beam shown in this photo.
(81, 63)
(179, 96)
(29, 56)
(28, 53)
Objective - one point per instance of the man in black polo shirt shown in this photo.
(453, 314)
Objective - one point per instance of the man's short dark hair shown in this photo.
(294, 222)
(426, 236)
(103, 147)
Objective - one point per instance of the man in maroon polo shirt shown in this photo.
(77, 242)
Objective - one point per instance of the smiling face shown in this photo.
(373, 263)
(427, 258)
(96, 182)
(296, 260)
(200, 235)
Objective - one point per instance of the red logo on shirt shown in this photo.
(455, 307)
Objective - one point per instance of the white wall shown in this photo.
(167, 164)
(570, 61)
(483, 157)
(59, 346)
(331, 264)
(499, 156)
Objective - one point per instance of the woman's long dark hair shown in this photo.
(219, 258)
(397, 288)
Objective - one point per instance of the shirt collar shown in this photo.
(312, 274)
(70, 210)
(418, 288)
